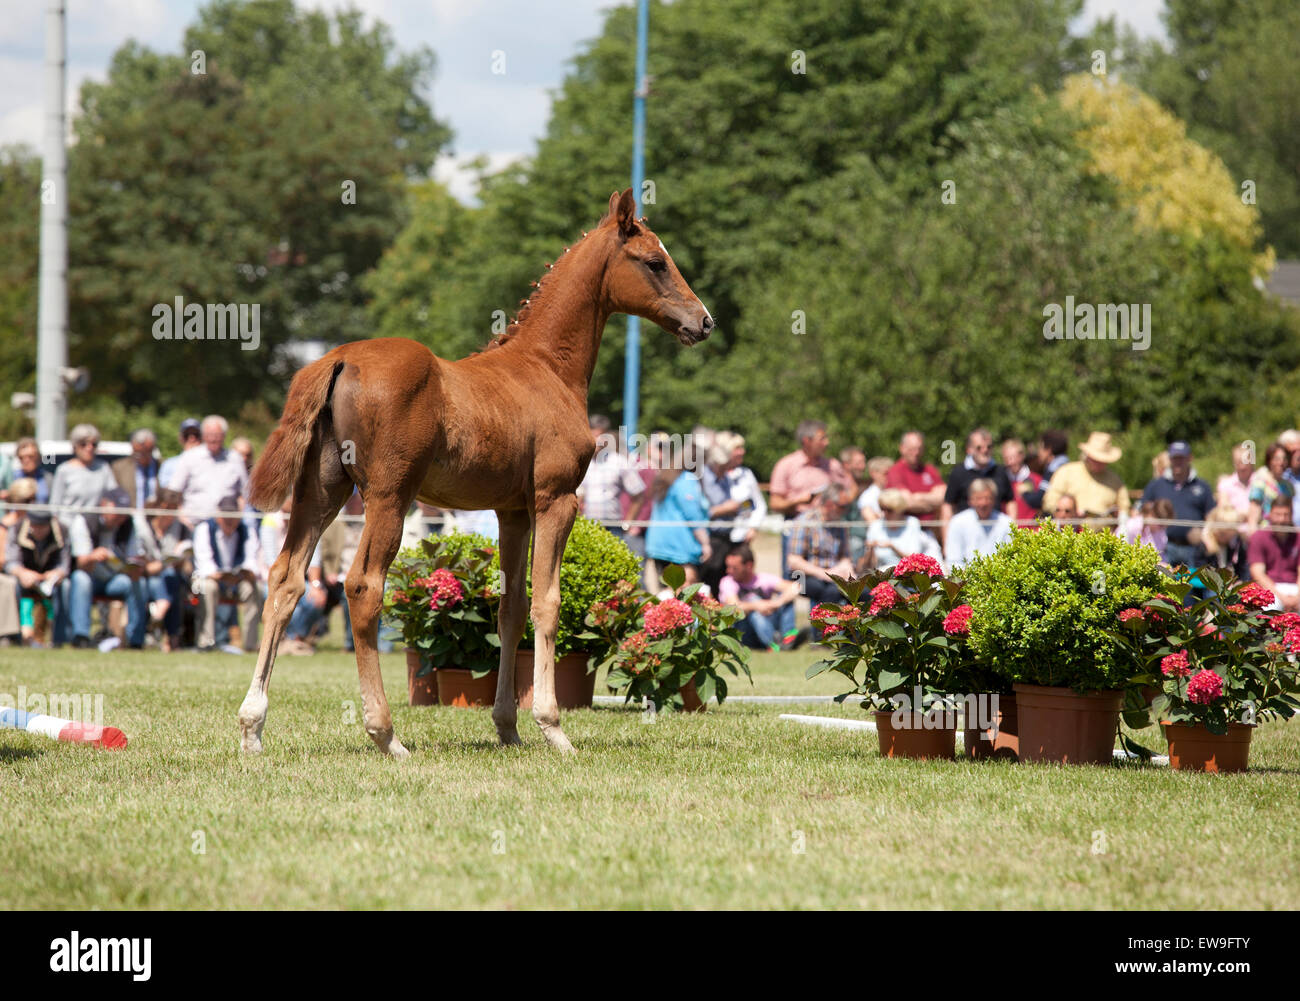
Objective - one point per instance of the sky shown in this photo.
(497, 115)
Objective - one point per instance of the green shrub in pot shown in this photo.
(1044, 606)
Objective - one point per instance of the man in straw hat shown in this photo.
(1097, 489)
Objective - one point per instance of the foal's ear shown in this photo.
(622, 209)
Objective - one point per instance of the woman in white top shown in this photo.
(897, 534)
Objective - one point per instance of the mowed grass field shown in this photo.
(734, 808)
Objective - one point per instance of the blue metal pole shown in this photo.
(632, 365)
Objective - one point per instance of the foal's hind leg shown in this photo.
(365, 590)
(515, 526)
(317, 499)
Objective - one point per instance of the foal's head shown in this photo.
(642, 279)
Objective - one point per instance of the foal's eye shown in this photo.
(656, 265)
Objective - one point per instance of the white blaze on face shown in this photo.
(662, 247)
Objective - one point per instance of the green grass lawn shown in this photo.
(702, 811)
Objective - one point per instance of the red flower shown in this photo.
(884, 597)
(445, 587)
(830, 630)
(1129, 614)
(918, 563)
(669, 614)
(1204, 688)
(1257, 596)
(825, 613)
(1175, 665)
(849, 613)
(1239, 608)
(957, 622)
(1292, 640)
(1284, 621)
(1273, 649)
(634, 644)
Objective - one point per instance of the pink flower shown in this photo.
(1257, 596)
(1175, 665)
(918, 563)
(884, 597)
(849, 613)
(825, 613)
(957, 622)
(1204, 688)
(1129, 614)
(830, 630)
(1292, 640)
(669, 614)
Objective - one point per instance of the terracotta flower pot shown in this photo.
(458, 687)
(420, 691)
(1059, 724)
(914, 740)
(1003, 745)
(691, 702)
(574, 686)
(1192, 748)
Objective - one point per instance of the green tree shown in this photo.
(266, 163)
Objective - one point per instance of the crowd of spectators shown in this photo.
(847, 513)
(178, 544)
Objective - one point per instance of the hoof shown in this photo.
(556, 738)
(508, 738)
(250, 743)
(390, 745)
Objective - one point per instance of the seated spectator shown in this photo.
(977, 530)
(1191, 499)
(107, 561)
(1066, 512)
(920, 481)
(1274, 556)
(38, 556)
(854, 462)
(1269, 484)
(678, 516)
(168, 548)
(1290, 440)
(137, 473)
(1025, 483)
(978, 465)
(1097, 490)
(190, 437)
(732, 494)
(1159, 464)
(82, 480)
(869, 499)
(766, 600)
(206, 476)
(1233, 489)
(897, 534)
(225, 566)
(1139, 529)
(818, 549)
(1225, 546)
(27, 456)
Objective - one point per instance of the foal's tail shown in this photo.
(281, 464)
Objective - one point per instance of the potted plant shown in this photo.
(442, 595)
(1043, 609)
(891, 626)
(670, 651)
(1222, 663)
(991, 723)
(594, 562)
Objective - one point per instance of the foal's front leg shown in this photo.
(550, 534)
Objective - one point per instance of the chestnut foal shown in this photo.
(504, 429)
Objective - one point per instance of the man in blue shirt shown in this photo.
(1192, 498)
